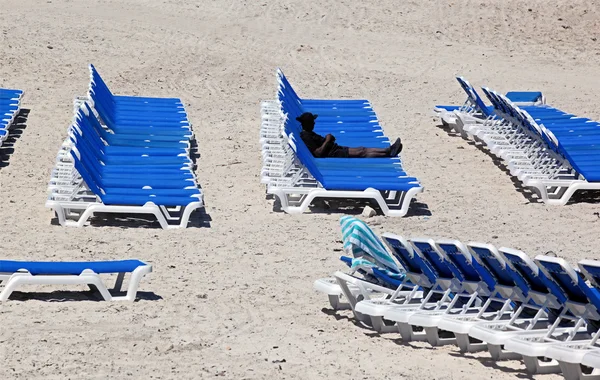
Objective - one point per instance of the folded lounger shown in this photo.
(13, 274)
(579, 307)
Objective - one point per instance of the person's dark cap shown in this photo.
(306, 117)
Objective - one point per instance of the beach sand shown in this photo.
(234, 300)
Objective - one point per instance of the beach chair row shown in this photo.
(125, 155)
(552, 152)
(296, 178)
(10, 104)
(543, 311)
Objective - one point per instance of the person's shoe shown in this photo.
(396, 148)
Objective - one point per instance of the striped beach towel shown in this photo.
(361, 242)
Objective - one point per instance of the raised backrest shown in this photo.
(283, 81)
(473, 96)
(82, 170)
(97, 80)
(581, 299)
(543, 290)
(471, 270)
(417, 269)
(305, 156)
(443, 267)
(359, 240)
(591, 271)
(508, 283)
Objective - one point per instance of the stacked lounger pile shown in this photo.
(10, 104)
(125, 155)
(543, 311)
(553, 152)
(293, 175)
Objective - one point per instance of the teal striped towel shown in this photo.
(361, 242)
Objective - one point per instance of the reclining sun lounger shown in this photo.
(579, 307)
(14, 274)
(572, 355)
(437, 292)
(544, 297)
(484, 299)
(10, 103)
(381, 275)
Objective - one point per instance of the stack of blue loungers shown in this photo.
(577, 138)
(10, 103)
(354, 124)
(566, 148)
(134, 155)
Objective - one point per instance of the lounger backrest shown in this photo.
(305, 157)
(84, 174)
(489, 257)
(566, 277)
(98, 81)
(532, 275)
(439, 263)
(591, 270)
(410, 259)
(460, 256)
(473, 96)
(283, 80)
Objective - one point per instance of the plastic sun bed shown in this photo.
(14, 274)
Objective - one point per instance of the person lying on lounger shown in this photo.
(321, 146)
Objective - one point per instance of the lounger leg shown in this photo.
(119, 282)
(134, 283)
(337, 304)
(463, 341)
(498, 353)
(536, 366)
(572, 371)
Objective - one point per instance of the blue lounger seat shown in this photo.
(10, 103)
(14, 274)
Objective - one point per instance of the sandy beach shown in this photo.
(231, 297)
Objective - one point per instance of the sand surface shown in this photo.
(235, 300)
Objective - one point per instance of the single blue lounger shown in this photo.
(16, 273)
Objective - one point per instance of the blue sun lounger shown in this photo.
(551, 151)
(14, 274)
